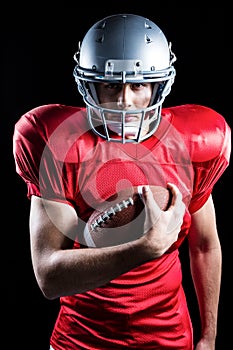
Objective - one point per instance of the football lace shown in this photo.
(111, 212)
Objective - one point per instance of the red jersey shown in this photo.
(61, 159)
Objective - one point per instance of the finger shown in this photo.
(152, 210)
(177, 209)
(147, 197)
(176, 194)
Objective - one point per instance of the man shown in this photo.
(72, 159)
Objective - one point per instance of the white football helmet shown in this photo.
(124, 48)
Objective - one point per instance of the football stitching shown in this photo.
(111, 212)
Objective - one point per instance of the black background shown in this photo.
(37, 47)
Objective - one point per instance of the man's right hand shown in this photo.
(161, 228)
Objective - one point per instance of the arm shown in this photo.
(61, 270)
(206, 265)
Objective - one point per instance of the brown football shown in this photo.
(120, 219)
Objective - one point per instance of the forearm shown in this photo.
(74, 271)
(206, 269)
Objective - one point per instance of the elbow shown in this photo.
(48, 293)
(48, 281)
(47, 285)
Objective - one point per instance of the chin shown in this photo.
(130, 131)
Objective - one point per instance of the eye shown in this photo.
(112, 86)
(137, 86)
(140, 86)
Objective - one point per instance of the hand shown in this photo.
(161, 228)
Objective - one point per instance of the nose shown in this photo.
(124, 98)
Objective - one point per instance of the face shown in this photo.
(125, 97)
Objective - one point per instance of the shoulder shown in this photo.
(196, 117)
(44, 119)
(56, 129)
(204, 130)
(49, 115)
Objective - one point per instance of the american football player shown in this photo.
(129, 295)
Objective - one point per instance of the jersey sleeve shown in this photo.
(210, 152)
(37, 161)
(28, 147)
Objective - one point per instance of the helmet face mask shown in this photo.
(105, 120)
(124, 49)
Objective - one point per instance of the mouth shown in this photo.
(127, 118)
(131, 118)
